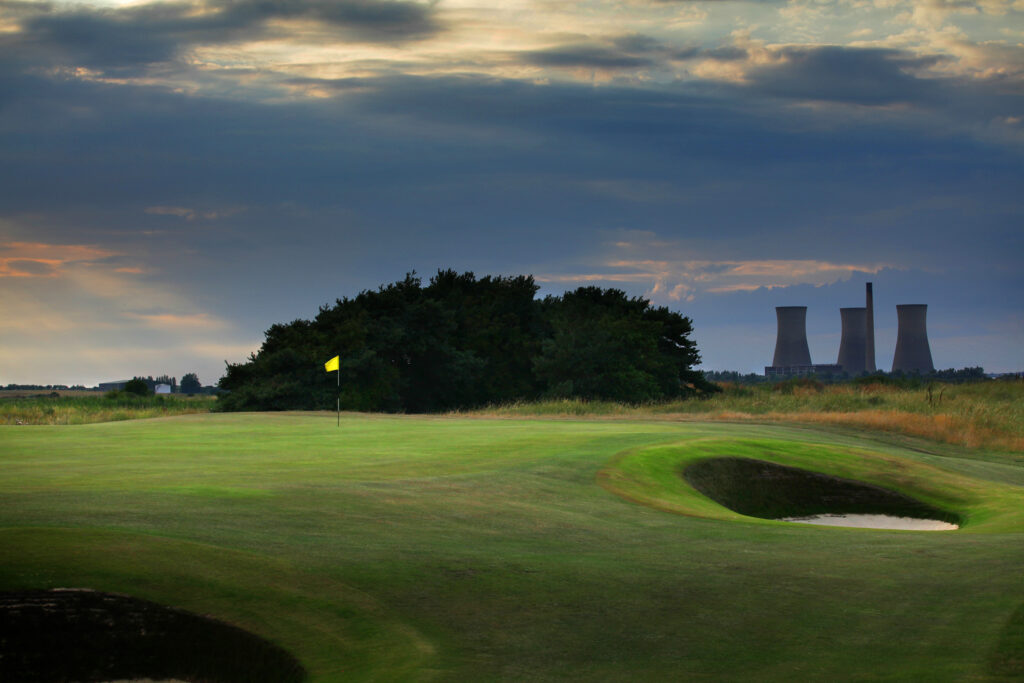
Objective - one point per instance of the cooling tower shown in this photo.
(869, 331)
(791, 342)
(912, 350)
(852, 348)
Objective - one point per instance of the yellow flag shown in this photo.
(332, 364)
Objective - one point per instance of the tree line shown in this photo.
(462, 341)
(898, 378)
(143, 386)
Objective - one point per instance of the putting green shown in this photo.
(427, 548)
(653, 476)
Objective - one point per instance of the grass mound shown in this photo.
(736, 491)
(762, 489)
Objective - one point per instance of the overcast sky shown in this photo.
(177, 176)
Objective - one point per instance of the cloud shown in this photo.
(37, 259)
(669, 280)
(590, 56)
(92, 320)
(155, 32)
(190, 214)
(850, 75)
(177, 321)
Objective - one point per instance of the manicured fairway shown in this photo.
(407, 548)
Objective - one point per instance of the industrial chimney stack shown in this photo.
(791, 343)
(869, 331)
(853, 347)
(912, 351)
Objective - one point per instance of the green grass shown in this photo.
(415, 548)
(86, 408)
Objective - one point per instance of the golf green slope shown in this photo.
(407, 548)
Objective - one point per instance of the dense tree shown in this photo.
(137, 386)
(190, 384)
(463, 341)
(606, 345)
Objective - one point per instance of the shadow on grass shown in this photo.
(1008, 657)
(84, 635)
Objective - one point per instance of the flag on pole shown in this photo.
(331, 365)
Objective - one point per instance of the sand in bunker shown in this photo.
(875, 522)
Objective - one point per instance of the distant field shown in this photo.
(444, 548)
(988, 415)
(23, 393)
(84, 407)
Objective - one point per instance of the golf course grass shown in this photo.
(420, 548)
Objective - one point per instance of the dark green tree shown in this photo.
(138, 387)
(190, 384)
(464, 341)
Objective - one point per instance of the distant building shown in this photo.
(792, 356)
(113, 386)
(798, 370)
(162, 389)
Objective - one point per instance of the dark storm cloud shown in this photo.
(851, 75)
(586, 56)
(874, 77)
(726, 53)
(636, 43)
(157, 32)
(629, 51)
(454, 154)
(370, 20)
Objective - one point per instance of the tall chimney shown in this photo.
(853, 347)
(869, 331)
(912, 350)
(791, 342)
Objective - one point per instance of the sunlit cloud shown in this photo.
(177, 321)
(36, 259)
(191, 214)
(672, 277)
(258, 50)
(74, 313)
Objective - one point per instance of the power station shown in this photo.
(853, 348)
(912, 351)
(791, 342)
(857, 344)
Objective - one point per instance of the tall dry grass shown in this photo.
(74, 410)
(987, 415)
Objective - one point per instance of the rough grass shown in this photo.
(435, 548)
(988, 415)
(85, 408)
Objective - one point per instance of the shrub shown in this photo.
(138, 387)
